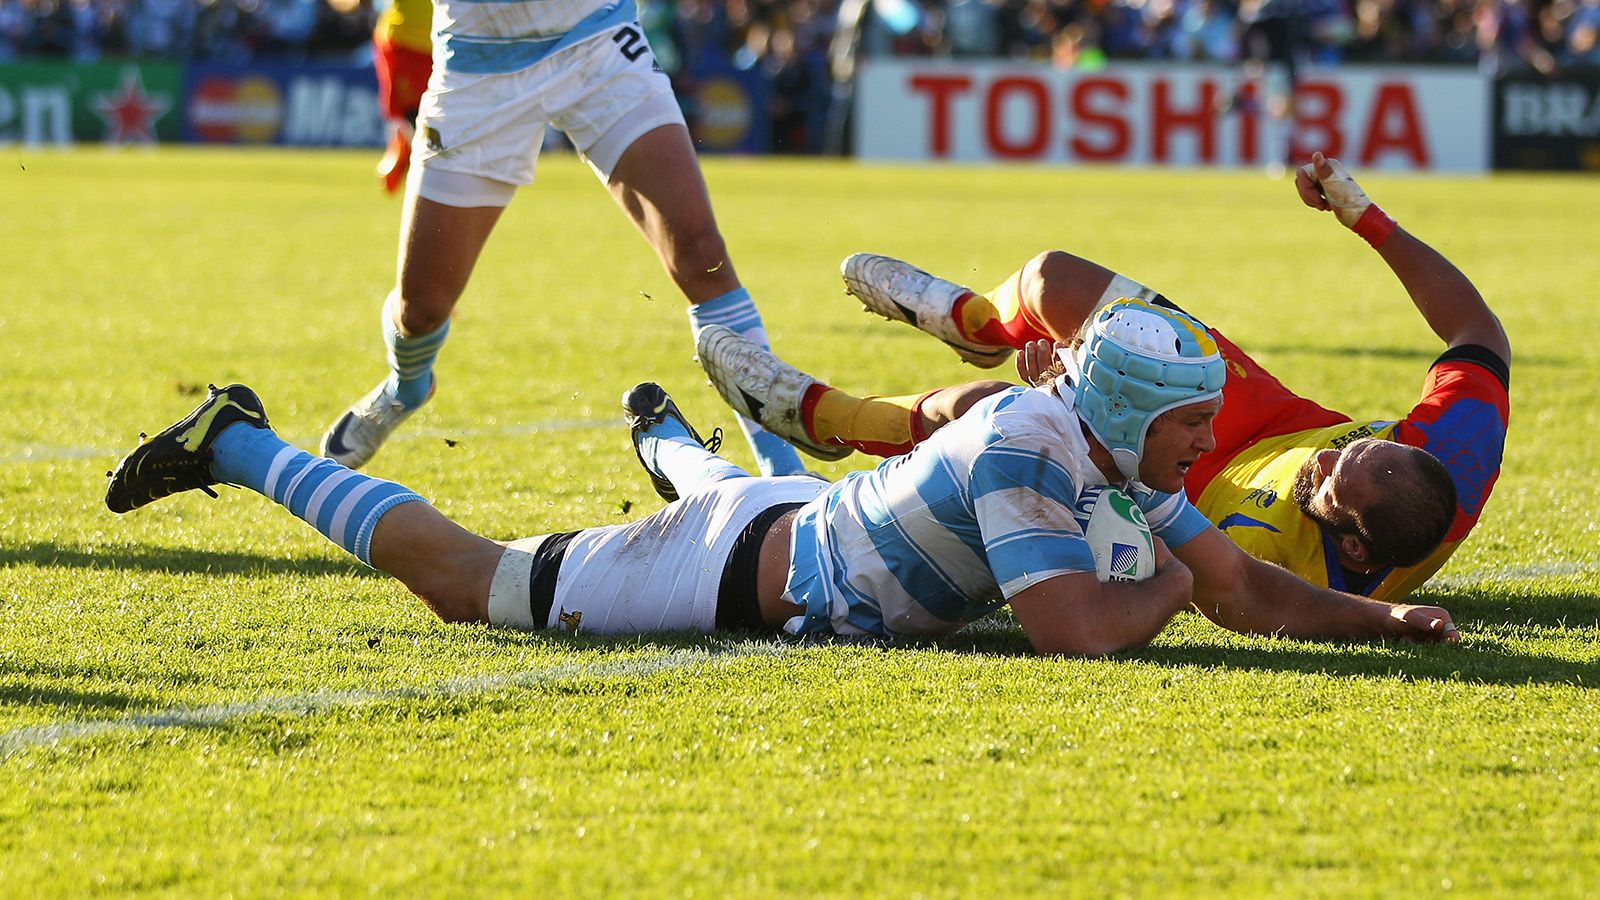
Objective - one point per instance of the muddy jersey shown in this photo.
(990, 505)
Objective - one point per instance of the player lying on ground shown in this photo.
(503, 71)
(1333, 500)
(991, 509)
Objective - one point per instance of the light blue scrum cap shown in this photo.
(1137, 361)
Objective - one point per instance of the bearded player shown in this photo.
(1342, 503)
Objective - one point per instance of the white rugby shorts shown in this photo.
(661, 573)
(478, 136)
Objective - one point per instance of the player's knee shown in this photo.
(422, 311)
(456, 590)
(1054, 286)
(701, 251)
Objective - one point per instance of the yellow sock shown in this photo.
(998, 317)
(881, 426)
(977, 313)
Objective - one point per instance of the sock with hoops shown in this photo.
(342, 504)
(410, 358)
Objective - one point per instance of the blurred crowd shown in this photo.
(801, 47)
(219, 30)
(791, 38)
(1499, 34)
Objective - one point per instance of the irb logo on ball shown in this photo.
(1118, 535)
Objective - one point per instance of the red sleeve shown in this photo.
(1462, 421)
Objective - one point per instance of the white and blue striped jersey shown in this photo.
(496, 37)
(993, 503)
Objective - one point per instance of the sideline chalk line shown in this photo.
(310, 704)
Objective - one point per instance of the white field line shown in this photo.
(50, 454)
(311, 704)
(1515, 573)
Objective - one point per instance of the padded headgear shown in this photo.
(1137, 361)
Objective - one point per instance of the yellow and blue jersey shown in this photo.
(1265, 434)
(408, 24)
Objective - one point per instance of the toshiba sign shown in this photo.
(1390, 118)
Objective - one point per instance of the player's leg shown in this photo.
(439, 245)
(402, 77)
(818, 418)
(1049, 297)
(693, 566)
(478, 140)
(657, 181)
(227, 440)
(671, 451)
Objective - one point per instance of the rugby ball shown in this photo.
(1119, 537)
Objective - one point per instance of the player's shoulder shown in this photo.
(1476, 361)
(1029, 412)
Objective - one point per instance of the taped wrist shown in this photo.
(1374, 226)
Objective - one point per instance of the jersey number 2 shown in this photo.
(630, 42)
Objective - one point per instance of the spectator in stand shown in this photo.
(789, 94)
(1124, 33)
(1206, 31)
(344, 29)
(89, 24)
(13, 29)
(972, 28)
(224, 29)
(161, 28)
(287, 26)
(1380, 33)
(49, 30)
(1032, 34)
(1506, 38)
(1581, 46)
(1451, 35)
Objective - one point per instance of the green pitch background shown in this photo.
(204, 697)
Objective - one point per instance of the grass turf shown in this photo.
(205, 697)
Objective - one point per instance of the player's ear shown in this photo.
(1355, 549)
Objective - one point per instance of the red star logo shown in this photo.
(131, 114)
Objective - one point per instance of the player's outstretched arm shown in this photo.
(1244, 594)
(1449, 303)
(1078, 615)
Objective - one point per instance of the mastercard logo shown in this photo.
(236, 111)
(725, 113)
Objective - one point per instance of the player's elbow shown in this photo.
(1084, 637)
(1085, 645)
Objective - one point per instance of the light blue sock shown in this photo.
(670, 450)
(343, 505)
(736, 310)
(410, 358)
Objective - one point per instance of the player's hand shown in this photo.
(1429, 624)
(1037, 363)
(1324, 184)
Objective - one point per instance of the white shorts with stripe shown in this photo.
(661, 573)
(479, 135)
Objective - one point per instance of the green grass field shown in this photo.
(204, 697)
